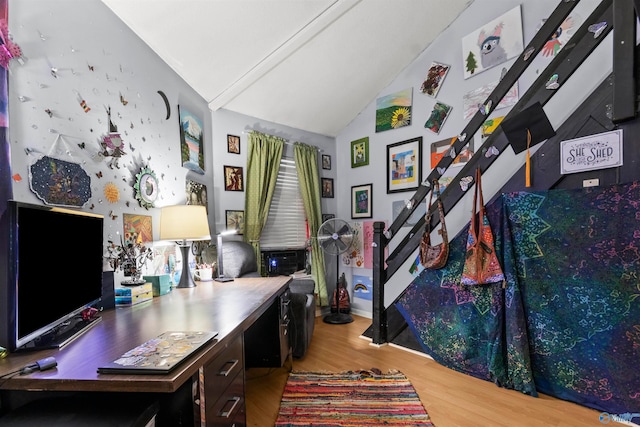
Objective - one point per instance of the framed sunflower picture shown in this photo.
(394, 111)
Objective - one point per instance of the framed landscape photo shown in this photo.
(327, 188)
(233, 178)
(235, 220)
(361, 201)
(360, 152)
(326, 162)
(233, 144)
(404, 165)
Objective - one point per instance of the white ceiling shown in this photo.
(313, 65)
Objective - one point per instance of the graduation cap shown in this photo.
(532, 123)
(528, 128)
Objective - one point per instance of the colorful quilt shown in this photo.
(567, 323)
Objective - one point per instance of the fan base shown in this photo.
(338, 318)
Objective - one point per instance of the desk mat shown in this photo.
(159, 355)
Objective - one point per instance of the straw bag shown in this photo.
(481, 264)
(434, 257)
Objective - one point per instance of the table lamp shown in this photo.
(184, 224)
(221, 277)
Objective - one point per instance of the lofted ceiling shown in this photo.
(313, 65)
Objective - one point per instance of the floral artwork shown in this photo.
(433, 81)
(191, 141)
(493, 44)
(196, 193)
(437, 117)
(394, 111)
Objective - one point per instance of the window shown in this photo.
(286, 226)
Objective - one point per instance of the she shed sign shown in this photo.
(592, 152)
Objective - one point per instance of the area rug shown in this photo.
(351, 399)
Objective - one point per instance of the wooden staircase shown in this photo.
(612, 103)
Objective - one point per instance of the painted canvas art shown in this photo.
(476, 97)
(394, 111)
(493, 44)
(191, 141)
(137, 228)
(437, 117)
(433, 81)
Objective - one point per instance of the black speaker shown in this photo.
(108, 300)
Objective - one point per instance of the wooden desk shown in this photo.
(229, 308)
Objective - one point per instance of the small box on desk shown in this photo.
(130, 295)
(161, 284)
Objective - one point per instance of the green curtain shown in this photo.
(263, 164)
(306, 158)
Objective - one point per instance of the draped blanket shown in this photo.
(567, 323)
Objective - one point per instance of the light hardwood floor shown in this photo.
(452, 399)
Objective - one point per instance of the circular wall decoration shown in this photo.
(146, 187)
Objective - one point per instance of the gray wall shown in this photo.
(447, 49)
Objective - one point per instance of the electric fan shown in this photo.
(335, 237)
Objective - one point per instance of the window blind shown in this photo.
(286, 226)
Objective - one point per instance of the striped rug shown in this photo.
(351, 399)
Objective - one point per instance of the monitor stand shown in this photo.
(62, 335)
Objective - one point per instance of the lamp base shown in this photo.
(223, 279)
(186, 281)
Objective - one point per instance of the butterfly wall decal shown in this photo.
(552, 83)
(492, 151)
(597, 29)
(465, 182)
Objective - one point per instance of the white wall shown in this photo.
(447, 48)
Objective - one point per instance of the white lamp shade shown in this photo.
(184, 222)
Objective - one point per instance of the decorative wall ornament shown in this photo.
(146, 187)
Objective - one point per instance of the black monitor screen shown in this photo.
(57, 257)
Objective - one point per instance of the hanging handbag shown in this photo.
(481, 265)
(434, 257)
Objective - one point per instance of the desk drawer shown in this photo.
(227, 409)
(222, 370)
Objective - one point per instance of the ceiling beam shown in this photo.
(295, 42)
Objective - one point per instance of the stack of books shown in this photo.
(131, 295)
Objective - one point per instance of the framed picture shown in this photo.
(137, 228)
(191, 141)
(327, 187)
(326, 217)
(233, 178)
(326, 162)
(196, 193)
(360, 152)
(233, 144)
(235, 220)
(361, 201)
(404, 165)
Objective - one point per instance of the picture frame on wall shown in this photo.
(327, 188)
(360, 152)
(233, 144)
(233, 178)
(326, 162)
(404, 165)
(326, 217)
(191, 140)
(362, 201)
(234, 220)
